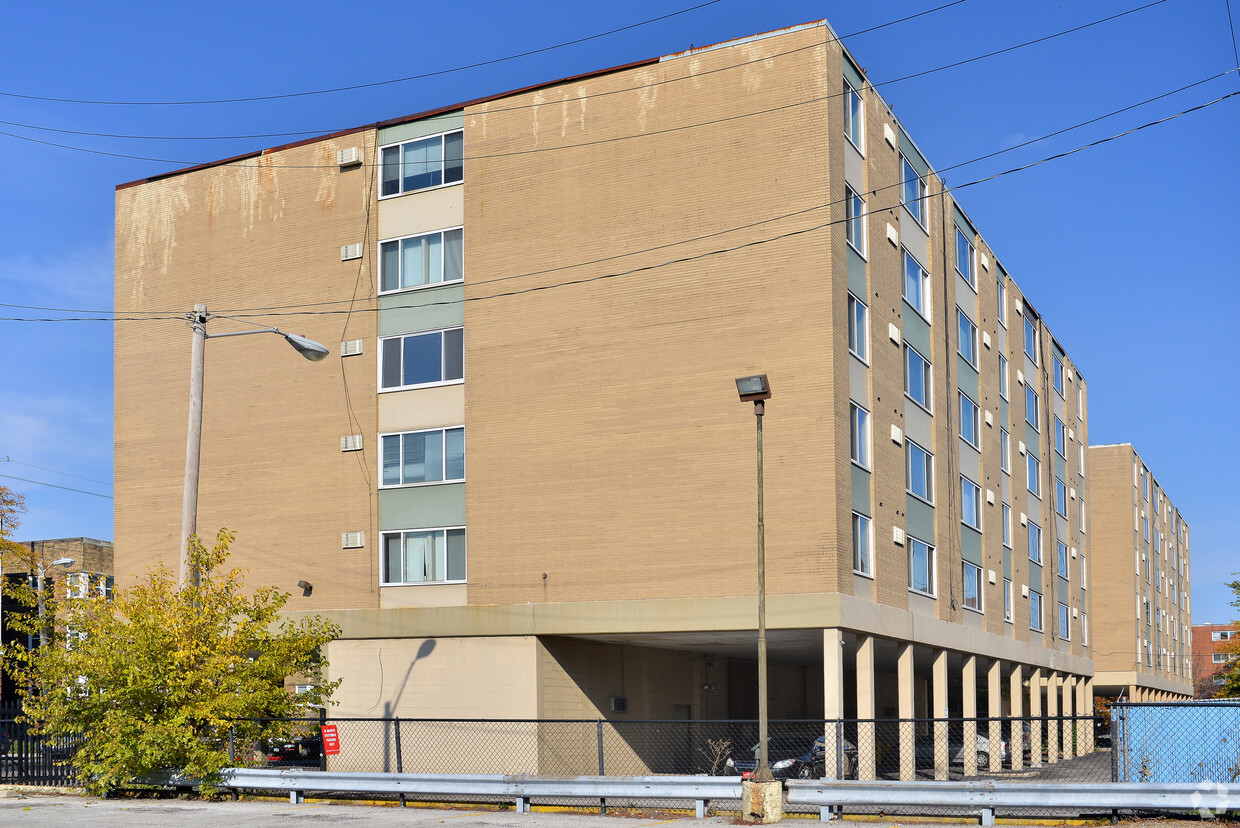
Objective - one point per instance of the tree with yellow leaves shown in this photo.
(156, 676)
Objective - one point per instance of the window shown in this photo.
(914, 193)
(424, 556)
(1035, 543)
(858, 328)
(1002, 294)
(431, 259)
(852, 115)
(1032, 409)
(1084, 630)
(421, 359)
(1080, 458)
(1145, 522)
(917, 384)
(967, 346)
(1061, 498)
(432, 456)
(920, 472)
(1084, 574)
(859, 429)
(1058, 374)
(86, 585)
(1222, 658)
(1007, 526)
(1005, 451)
(1222, 635)
(1034, 474)
(972, 587)
(1035, 611)
(1080, 402)
(1003, 377)
(1031, 339)
(970, 425)
(1064, 623)
(964, 258)
(1007, 600)
(916, 285)
(1062, 558)
(862, 543)
(970, 503)
(920, 566)
(1061, 445)
(1081, 514)
(854, 227)
(424, 163)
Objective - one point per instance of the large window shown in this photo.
(424, 556)
(1007, 600)
(1035, 610)
(1032, 406)
(421, 164)
(916, 285)
(914, 193)
(917, 384)
(1061, 443)
(967, 346)
(1035, 543)
(421, 260)
(920, 472)
(964, 258)
(1031, 339)
(862, 541)
(1065, 628)
(970, 503)
(1061, 498)
(858, 328)
(853, 118)
(1034, 468)
(859, 427)
(421, 359)
(854, 227)
(1005, 451)
(433, 456)
(970, 421)
(920, 566)
(1003, 377)
(1062, 558)
(1007, 526)
(1002, 294)
(972, 587)
(1058, 374)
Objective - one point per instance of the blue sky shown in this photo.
(1118, 246)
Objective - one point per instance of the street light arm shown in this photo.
(308, 348)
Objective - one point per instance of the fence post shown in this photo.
(602, 802)
(839, 749)
(322, 747)
(400, 759)
(232, 756)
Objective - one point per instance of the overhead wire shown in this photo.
(55, 486)
(53, 471)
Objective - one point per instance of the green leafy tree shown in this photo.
(155, 676)
(12, 507)
(1231, 685)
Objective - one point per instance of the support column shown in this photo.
(865, 707)
(908, 737)
(1035, 714)
(968, 707)
(1132, 693)
(939, 713)
(1089, 730)
(833, 697)
(994, 709)
(1052, 715)
(1016, 724)
(1068, 748)
(1084, 707)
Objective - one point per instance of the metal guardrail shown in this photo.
(1183, 796)
(519, 788)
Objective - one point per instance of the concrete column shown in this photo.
(1035, 711)
(939, 713)
(968, 709)
(865, 707)
(833, 696)
(1052, 715)
(1068, 730)
(1133, 693)
(1016, 699)
(1089, 701)
(908, 736)
(1084, 707)
(994, 709)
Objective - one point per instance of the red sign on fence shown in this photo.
(331, 740)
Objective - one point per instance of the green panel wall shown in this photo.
(422, 310)
(420, 129)
(966, 378)
(971, 545)
(916, 331)
(418, 507)
(856, 276)
(964, 224)
(861, 491)
(920, 520)
(853, 74)
(913, 155)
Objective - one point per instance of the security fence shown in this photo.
(26, 759)
(1160, 742)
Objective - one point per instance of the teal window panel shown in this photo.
(861, 491)
(422, 506)
(916, 331)
(971, 545)
(920, 520)
(856, 275)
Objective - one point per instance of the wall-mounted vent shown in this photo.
(897, 436)
(1024, 590)
(990, 496)
(352, 540)
(349, 156)
(893, 333)
(350, 251)
(1024, 519)
(1074, 553)
(889, 135)
(1071, 435)
(1020, 447)
(619, 704)
(985, 262)
(1074, 612)
(990, 418)
(1020, 377)
(351, 442)
(350, 347)
(897, 536)
(992, 576)
(1072, 493)
(986, 338)
(893, 236)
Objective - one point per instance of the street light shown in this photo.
(65, 562)
(757, 390)
(308, 348)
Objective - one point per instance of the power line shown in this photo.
(372, 84)
(54, 486)
(53, 471)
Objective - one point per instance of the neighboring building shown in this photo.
(525, 487)
(1140, 540)
(91, 569)
(1214, 647)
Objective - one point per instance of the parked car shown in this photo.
(787, 764)
(925, 751)
(302, 752)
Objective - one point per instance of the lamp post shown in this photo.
(757, 390)
(308, 348)
(65, 562)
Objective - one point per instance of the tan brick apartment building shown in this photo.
(1141, 541)
(523, 483)
(1214, 648)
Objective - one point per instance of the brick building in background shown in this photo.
(1214, 648)
(524, 484)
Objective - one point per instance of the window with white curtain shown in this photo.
(418, 261)
(424, 556)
